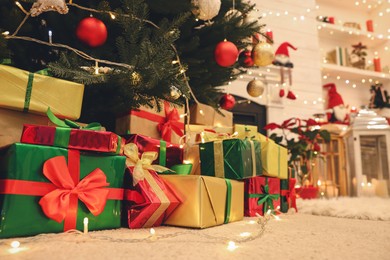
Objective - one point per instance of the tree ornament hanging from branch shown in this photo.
(41, 6)
(92, 32)
(206, 9)
(226, 53)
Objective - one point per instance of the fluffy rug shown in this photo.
(370, 208)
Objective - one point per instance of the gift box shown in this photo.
(159, 199)
(165, 124)
(288, 195)
(168, 154)
(191, 156)
(273, 158)
(202, 133)
(207, 201)
(245, 131)
(66, 137)
(261, 194)
(11, 125)
(47, 189)
(202, 114)
(232, 158)
(34, 93)
(157, 203)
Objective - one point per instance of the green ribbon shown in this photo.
(228, 200)
(163, 153)
(182, 169)
(265, 198)
(69, 123)
(27, 98)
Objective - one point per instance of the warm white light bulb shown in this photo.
(231, 246)
(15, 244)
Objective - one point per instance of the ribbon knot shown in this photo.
(170, 123)
(265, 198)
(141, 164)
(90, 190)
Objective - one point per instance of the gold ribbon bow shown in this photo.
(141, 164)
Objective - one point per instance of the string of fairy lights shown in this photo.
(255, 226)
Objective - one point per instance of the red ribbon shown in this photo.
(290, 194)
(171, 121)
(62, 203)
(165, 128)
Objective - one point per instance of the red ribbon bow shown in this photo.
(291, 195)
(61, 203)
(170, 123)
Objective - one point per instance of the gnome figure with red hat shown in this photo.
(337, 112)
(282, 59)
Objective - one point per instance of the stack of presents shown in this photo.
(155, 170)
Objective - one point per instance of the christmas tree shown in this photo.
(154, 49)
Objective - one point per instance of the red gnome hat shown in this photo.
(335, 98)
(283, 49)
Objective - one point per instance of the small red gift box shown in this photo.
(261, 194)
(160, 200)
(168, 154)
(79, 139)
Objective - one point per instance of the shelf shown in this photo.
(354, 74)
(334, 31)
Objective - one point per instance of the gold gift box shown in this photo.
(245, 131)
(191, 155)
(63, 97)
(201, 114)
(204, 201)
(195, 132)
(273, 158)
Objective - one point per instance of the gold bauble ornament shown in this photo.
(263, 54)
(255, 88)
(135, 78)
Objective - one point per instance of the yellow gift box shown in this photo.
(207, 201)
(201, 114)
(191, 155)
(245, 131)
(29, 92)
(273, 158)
(204, 133)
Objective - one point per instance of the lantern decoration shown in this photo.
(227, 102)
(255, 88)
(92, 32)
(206, 9)
(263, 54)
(226, 53)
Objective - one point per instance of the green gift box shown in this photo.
(47, 189)
(231, 158)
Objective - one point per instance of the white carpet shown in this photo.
(294, 236)
(369, 208)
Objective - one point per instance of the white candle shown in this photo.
(85, 225)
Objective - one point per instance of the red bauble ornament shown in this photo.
(245, 59)
(227, 101)
(226, 53)
(92, 32)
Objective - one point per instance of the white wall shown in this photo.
(283, 18)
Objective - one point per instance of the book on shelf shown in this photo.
(338, 56)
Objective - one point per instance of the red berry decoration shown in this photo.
(245, 59)
(226, 53)
(227, 102)
(92, 32)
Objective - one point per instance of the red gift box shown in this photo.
(159, 199)
(79, 139)
(168, 154)
(261, 194)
